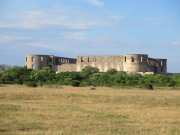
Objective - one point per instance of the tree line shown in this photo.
(90, 76)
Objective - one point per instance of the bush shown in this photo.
(40, 83)
(171, 83)
(31, 84)
(83, 84)
(75, 83)
(20, 81)
(149, 87)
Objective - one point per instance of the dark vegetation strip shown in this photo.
(88, 77)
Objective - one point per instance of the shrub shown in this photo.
(31, 84)
(75, 83)
(20, 81)
(83, 84)
(171, 83)
(149, 87)
(40, 83)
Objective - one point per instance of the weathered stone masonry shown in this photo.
(127, 62)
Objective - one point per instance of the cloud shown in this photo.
(175, 43)
(7, 38)
(114, 17)
(51, 17)
(155, 19)
(95, 2)
(44, 46)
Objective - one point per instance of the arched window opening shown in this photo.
(125, 59)
(95, 59)
(82, 59)
(42, 59)
(141, 59)
(50, 59)
(32, 59)
(132, 59)
(88, 59)
(32, 66)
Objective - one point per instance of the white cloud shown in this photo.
(114, 17)
(54, 17)
(175, 43)
(155, 19)
(95, 2)
(41, 45)
(35, 13)
(7, 38)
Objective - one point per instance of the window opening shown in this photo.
(125, 59)
(50, 66)
(82, 59)
(88, 59)
(50, 59)
(42, 59)
(157, 64)
(32, 66)
(32, 59)
(161, 63)
(26, 59)
(141, 59)
(95, 59)
(56, 61)
(132, 59)
(42, 66)
(161, 69)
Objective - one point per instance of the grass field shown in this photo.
(79, 111)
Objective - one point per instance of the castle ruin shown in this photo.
(127, 62)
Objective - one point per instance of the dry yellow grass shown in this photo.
(103, 111)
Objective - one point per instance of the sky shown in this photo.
(68, 28)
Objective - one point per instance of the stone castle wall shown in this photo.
(126, 62)
(103, 63)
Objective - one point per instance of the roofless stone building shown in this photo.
(127, 62)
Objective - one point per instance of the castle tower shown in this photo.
(38, 62)
(135, 62)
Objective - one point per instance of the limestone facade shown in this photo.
(127, 62)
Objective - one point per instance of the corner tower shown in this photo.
(135, 62)
(37, 62)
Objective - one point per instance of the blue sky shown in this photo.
(69, 28)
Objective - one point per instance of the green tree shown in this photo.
(88, 71)
(112, 71)
(4, 67)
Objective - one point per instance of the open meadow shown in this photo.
(77, 110)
